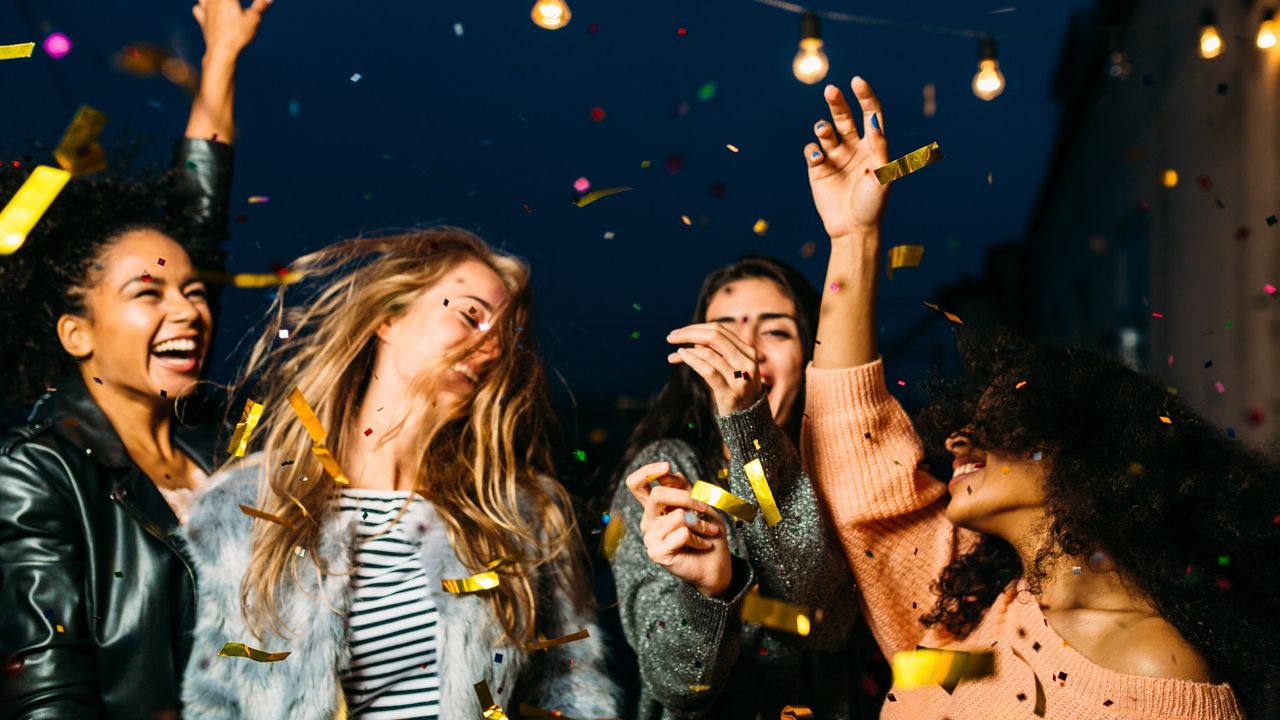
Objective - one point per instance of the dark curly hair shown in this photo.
(47, 277)
(684, 407)
(1190, 515)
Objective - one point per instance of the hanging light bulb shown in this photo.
(988, 82)
(1267, 30)
(551, 14)
(810, 64)
(1210, 41)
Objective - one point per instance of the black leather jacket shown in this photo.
(96, 596)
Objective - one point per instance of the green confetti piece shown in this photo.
(635, 334)
(368, 196)
(1224, 560)
(707, 91)
(580, 455)
(636, 306)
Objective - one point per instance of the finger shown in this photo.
(708, 372)
(259, 6)
(663, 499)
(729, 375)
(717, 336)
(872, 115)
(639, 479)
(666, 549)
(197, 11)
(813, 155)
(656, 538)
(841, 114)
(827, 137)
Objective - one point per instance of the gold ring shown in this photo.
(846, 134)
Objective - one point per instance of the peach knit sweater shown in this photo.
(863, 454)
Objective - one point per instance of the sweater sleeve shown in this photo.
(794, 560)
(887, 513)
(686, 643)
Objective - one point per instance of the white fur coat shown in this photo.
(305, 686)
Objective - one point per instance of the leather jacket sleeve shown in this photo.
(200, 202)
(49, 671)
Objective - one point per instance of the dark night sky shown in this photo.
(469, 130)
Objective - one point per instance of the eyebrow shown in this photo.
(483, 303)
(158, 281)
(762, 317)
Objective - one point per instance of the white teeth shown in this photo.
(175, 345)
(467, 372)
(963, 469)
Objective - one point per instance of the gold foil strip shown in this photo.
(595, 195)
(926, 666)
(28, 205)
(544, 644)
(901, 256)
(723, 499)
(318, 435)
(795, 712)
(776, 614)
(613, 533)
(486, 580)
(490, 709)
(764, 496)
(79, 151)
(248, 422)
(250, 280)
(17, 52)
(909, 163)
(235, 649)
(255, 512)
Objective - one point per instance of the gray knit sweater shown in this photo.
(697, 658)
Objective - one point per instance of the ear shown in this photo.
(384, 330)
(76, 336)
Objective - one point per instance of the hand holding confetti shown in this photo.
(724, 360)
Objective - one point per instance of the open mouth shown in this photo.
(967, 471)
(176, 354)
(467, 373)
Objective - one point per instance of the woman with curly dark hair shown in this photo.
(1111, 549)
(105, 315)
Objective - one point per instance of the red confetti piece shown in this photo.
(682, 32)
(146, 277)
(160, 262)
(597, 113)
(368, 432)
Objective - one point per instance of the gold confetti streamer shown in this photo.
(318, 435)
(776, 614)
(544, 644)
(28, 205)
(699, 688)
(613, 533)
(723, 499)
(795, 712)
(249, 280)
(235, 649)
(901, 256)
(926, 666)
(909, 163)
(17, 52)
(79, 151)
(248, 421)
(595, 195)
(255, 512)
(764, 496)
(486, 580)
(490, 709)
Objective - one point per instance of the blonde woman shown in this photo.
(414, 354)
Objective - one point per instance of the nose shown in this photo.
(181, 309)
(485, 354)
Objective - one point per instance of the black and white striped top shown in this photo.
(392, 629)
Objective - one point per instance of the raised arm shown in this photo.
(228, 28)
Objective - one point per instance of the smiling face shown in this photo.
(761, 313)
(994, 494)
(147, 326)
(454, 310)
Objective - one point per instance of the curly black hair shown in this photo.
(47, 276)
(1190, 515)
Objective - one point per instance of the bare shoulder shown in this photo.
(1152, 647)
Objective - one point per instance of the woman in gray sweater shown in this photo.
(683, 570)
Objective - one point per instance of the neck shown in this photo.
(378, 461)
(142, 423)
(1078, 582)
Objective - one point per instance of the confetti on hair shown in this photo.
(724, 500)
(771, 613)
(488, 708)
(248, 422)
(28, 205)
(235, 649)
(255, 512)
(595, 195)
(909, 163)
(927, 666)
(79, 151)
(544, 644)
(318, 435)
(17, 52)
(764, 496)
(485, 580)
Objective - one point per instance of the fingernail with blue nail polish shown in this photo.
(875, 121)
(816, 154)
(690, 518)
(822, 126)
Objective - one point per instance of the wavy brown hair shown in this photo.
(485, 462)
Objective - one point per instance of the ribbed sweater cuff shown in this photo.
(710, 617)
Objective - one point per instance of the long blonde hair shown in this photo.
(488, 457)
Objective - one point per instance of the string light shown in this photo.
(810, 64)
(988, 82)
(1267, 30)
(551, 14)
(1210, 41)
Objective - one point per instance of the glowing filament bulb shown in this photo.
(551, 14)
(1210, 41)
(1267, 31)
(988, 82)
(810, 64)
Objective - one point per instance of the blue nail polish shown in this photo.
(690, 518)
(822, 126)
(816, 154)
(875, 120)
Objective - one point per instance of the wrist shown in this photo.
(220, 57)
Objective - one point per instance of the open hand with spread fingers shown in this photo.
(228, 26)
(725, 361)
(684, 535)
(842, 164)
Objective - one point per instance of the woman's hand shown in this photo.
(682, 534)
(725, 362)
(228, 26)
(842, 165)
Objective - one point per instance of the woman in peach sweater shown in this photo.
(1114, 552)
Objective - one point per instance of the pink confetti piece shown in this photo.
(1157, 315)
(1219, 387)
(835, 287)
(256, 199)
(1269, 289)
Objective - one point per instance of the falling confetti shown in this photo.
(909, 163)
(597, 113)
(28, 205)
(582, 184)
(457, 29)
(57, 45)
(595, 195)
(17, 52)
(355, 78)
(760, 227)
(732, 148)
(258, 199)
(79, 151)
(707, 91)
(926, 666)
(901, 256)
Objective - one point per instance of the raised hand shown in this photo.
(683, 535)
(842, 165)
(227, 25)
(727, 364)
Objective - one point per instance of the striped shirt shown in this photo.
(392, 629)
